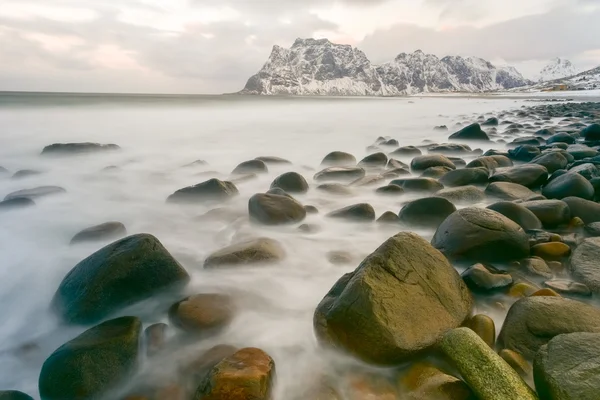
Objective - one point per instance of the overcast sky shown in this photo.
(213, 46)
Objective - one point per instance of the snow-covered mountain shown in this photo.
(319, 67)
(556, 69)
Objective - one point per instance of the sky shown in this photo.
(214, 46)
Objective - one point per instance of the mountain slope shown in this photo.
(556, 69)
(319, 67)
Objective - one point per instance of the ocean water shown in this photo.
(159, 135)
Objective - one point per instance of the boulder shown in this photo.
(388, 217)
(508, 191)
(568, 185)
(584, 264)
(551, 213)
(291, 182)
(14, 395)
(525, 140)
(517, 213)
(255, 251)
(25, 173)
(591, 132)
(524, 153)
(421, 163)
(567, 367)
(392, 190)
(429, 298)
(580, 151)
(94, 362)
(552, 161)
(105, 231)
(424, 381)
(471, 132)
(480, 279)
(588, 211)
(210, 190)
(491, 163)
(536, 266)
(588, 170)
(203, 313)
(17, 202)
(335, 188)
(376, 160)
(428, 212)
(77, 148)
(532, 321)
(35, 193)
(124, 272)
(397, 165)
(561, 137)
(492, 236)
(449, 148)
(273, 160)
(247, 374)
(406, 151)
(155, 337)
(250, 167)
(484, 326)
(368, 180)
(435, 172)
(425, 185)
(529, 175)
(465, 176)
(551, 250)
(390, 142)
(273, 209)
(340, 174)
(339, 158)
(488, 375)
(569, 288)
(362, 212)
(492, 121)
(463, 194)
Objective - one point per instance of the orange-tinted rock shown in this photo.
(484, 327)
(203, 312)
(545, 292)
(522, 289)
(368, 386)
(155, 338)
(551, 251)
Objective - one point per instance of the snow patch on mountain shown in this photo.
(557, 68)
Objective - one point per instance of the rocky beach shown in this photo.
(407, 248)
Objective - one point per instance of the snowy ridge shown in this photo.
(557, 68)
(319, 67)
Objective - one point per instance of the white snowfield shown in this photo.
(557, 68)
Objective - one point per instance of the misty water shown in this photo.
(158, 137)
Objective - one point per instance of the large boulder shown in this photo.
(335, 188)
(567, 367)
(376, 160)
(255, 251)
(362, 212)
(77, 148)
(291, 182)
(488, 375)
(339, 158)
(14, 395)
(427, 212)
(491, 163)
(406, 151)
(529, 175)
(247, 374)
(340, 174)
(405, 295)
(425, 185)
(90, 365)
(17, 202)
(105, 231)
(124, 272)
(435, 172)
(588, 211)
(569, 185)
(561, 137)
(552, 213)
(524, 153)
(462, 194)
(553, 161)
(203, 313)
(584, 263)
(532, 321)
(421, 163)
(471, 132)
(35, 193)
(465, 176)
(580, 151)
(251, 167)
(517, 213)
(479, 234)
(211, 190)
(274, 209)
(591, 132)
(449, 148)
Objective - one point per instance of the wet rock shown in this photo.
(462, 195)
(362, 212)
(362, 386)
(440, 128)
(471, 132)
(341, 174)
(537, 266)
(524, 153)
(568, 185)
(339, 158)
(396, 164)
(390, 142)
(517, 213)
(311, 209)
(551, 251)
(35, 193)
(406, 151)
(579, 151)
(531, 322)
(210, 190)
(335, 188)
(561, 137)
(394, 328)
(492, 236)
(250, 167)
(491, 163)
(591, 132)
(77, 148)
(273, 209)
(449, 148)
(195, 368)
(155, 336)
(421, 163)
(587, 170)
(247, 374)
(567, 367)
(525, 140)
(483, 370)
(388, 217)
(15, 203)
(516, 361)
(567, 287)
(14, 395)
(105, 231)
(435, 172)
(255, 251)
(291, 182)
(368, 180)
(428, 212)
(529, 175)
(203, 313)
(587, 210)
(425, 381)
(492, 121)
(93, 363)
(376, 160)
(465, 176)
(309, 228)
(457, 161)
(583, 265)
(484, 327)
(124, 272)
(551, 213)
(273, 160)
(25, 173)
(521, 289)
(392, 190)
(423, 185)
(509, 191)
(480, 279)
(340, 257)
(551, 161)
